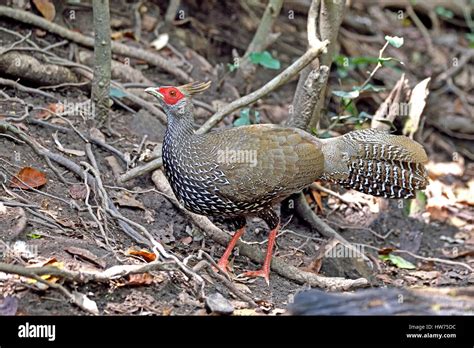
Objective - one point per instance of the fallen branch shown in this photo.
(114, 272)
(305, 212)
(117, 47)
(276, 82)
(26, 67)
(254, 253)
(427, 259)
(16, 85)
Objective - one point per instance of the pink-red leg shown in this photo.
(264, 272)
(224, 260)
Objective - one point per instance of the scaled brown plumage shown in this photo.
(245, 171)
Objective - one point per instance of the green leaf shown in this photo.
(244, 118)
(34, 236)
(265, 59)
(470, 38)
(395, 41)
(349, 95)
(257, 116)
(397, 261)
(232, 67)
(117, 93)
(443, 12)
(364, 61)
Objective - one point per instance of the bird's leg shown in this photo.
(264, 272)
(224, 260)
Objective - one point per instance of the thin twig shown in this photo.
(276, 82)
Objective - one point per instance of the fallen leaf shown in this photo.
(140, 279)
(245, 312)
(46, 8)
(167, 311)
(417, 104)
(86, 255)
(66, 223)
(3, 208)
(160, 42)
(317, 198)
(186, 240)
(27, 178)
(125, 199)
(146, 255)
(85, 302)
(51, 109)
(149, 216)
(118, 35)
(423, 275)
(52, 262)
(397, 261)
(78, 191)
(385, 251)
(97, 134)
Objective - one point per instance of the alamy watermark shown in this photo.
(85, 108)
(342, 251)
(18, 249)
(230, 156)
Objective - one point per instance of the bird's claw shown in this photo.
(255, 274)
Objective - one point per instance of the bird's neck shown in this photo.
(180, 125)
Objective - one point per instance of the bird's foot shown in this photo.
(263, 273)
(222, 266)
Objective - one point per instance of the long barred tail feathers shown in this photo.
(376, 163)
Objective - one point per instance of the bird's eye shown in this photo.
(173, 93)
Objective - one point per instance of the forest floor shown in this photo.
(439, 237)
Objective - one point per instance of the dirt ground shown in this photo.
(377, 226)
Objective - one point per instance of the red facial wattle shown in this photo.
(171, 95)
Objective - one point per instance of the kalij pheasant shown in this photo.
(244, 171)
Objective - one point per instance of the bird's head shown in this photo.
(176, 99)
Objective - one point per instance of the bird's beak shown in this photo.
(154, 92)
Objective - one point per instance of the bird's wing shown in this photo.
(264, 162)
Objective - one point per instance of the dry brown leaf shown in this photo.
(27, 178)
(317, 198)
(423, 275)
(245, 312)
(78, 191)
(417, 104)
(46, 8)
(187, 240)
(140, 279)
(125, 199)
(86, 255)
(55, 108)
(146, 255)
(50, 262)
(385, 251)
